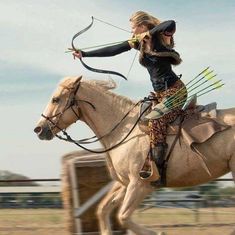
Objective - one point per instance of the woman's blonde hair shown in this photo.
(143, 18)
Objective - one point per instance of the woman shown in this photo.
(155, 41)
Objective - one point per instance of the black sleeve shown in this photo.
(108, 51)
(167, 27)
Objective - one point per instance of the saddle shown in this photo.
(197, 124)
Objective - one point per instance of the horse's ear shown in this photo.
(77, 80)
(70, 82)
(106, 85)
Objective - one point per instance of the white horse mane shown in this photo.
(68, 82)
(104, 85)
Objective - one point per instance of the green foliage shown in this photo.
(49, 199)
(212, 191)
(228, 192)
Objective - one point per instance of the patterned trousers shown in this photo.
(158, 127)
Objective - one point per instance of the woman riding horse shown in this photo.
(154, 40)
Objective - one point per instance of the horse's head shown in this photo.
(61, 111)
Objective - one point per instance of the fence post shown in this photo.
(85, 180)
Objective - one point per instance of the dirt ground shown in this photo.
(171, 221)
(222, 230)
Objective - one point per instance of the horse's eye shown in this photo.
(55, 100)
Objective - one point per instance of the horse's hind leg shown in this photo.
(106, 206)
(232, 166)
(135, 193)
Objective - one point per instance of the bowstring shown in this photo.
(134, 58)
(105, 22)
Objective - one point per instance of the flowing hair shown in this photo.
(143, 18)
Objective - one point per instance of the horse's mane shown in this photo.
(105, 86)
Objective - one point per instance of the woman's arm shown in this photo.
(167, 28)
(112, 50)
(108, 51)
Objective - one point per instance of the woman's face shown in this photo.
(138, 29)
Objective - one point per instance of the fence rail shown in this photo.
(30, 180)
(42, 195)
(58, 180)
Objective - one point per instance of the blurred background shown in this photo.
(34, 38)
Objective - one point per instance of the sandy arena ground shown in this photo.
(171, 221)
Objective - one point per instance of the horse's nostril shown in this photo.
(37, 130)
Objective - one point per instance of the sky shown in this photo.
(35, 35)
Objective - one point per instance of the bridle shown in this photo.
(71, 102)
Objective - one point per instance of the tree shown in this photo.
(7, 175)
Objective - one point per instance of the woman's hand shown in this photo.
(77, 54)
(137, 38)
(140, 37)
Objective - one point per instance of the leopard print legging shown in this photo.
(158, 127)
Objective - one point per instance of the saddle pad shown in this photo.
(200, 129)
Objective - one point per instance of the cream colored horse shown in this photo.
(74, 99)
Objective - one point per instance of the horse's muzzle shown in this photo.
(44, 132)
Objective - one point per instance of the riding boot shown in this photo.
(158, 156)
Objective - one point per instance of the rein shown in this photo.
(73, 101)
(86, 140)
(71, 140)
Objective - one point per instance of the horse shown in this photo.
(93, 102)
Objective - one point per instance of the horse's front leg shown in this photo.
(106, 206)
(135, 193)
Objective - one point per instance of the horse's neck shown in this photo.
(110, 108)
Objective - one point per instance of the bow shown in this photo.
(83, 63)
